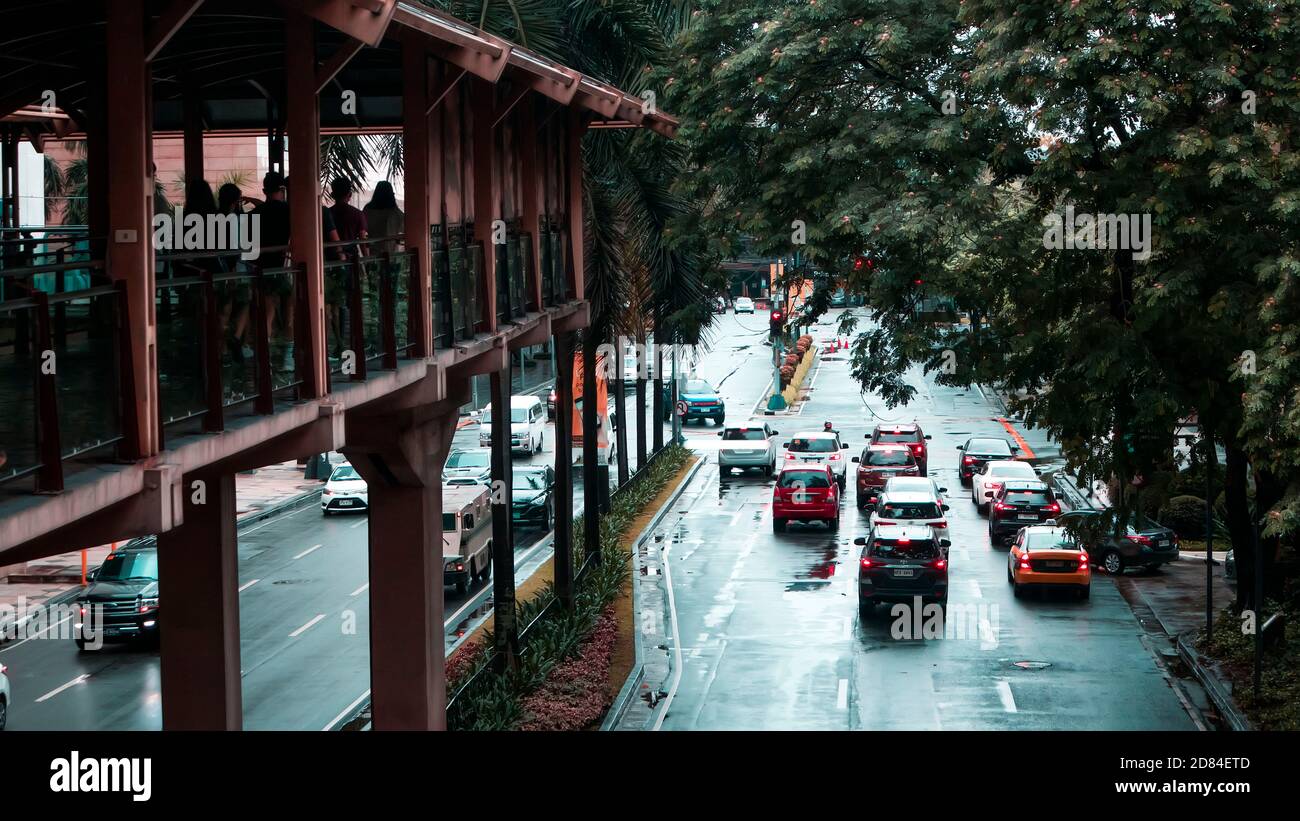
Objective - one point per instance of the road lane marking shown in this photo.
(360, 590)
(346, 710)
(51, 694)
(296, 633)
(358, 524)
(35, 635)
(1025, 451)
(842, 697)
(308, 550)
(975, 588)
(247, 585)
(1004, 692)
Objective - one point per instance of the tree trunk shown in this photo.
(1237, 515)
(620, 432)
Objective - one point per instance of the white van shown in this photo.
(466, 536)
(527, 422)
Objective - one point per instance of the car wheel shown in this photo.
(462, 587)
(1010, 578)
(778, 525)
(843, 482)
(4, 712)
(549, 523)
(1112, 562)
(834, 524)
(538, 449)
(771, 469)
(1017, 589)
(965, 481)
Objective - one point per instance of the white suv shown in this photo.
(906, 507)
(819, 448)
(985, 484)
(747, 446)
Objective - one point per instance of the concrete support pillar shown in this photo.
(198, 567)
(192, 105)
(563, 575)
(577, 126)
(487, 192)
(128, 190)
(303, 132)
(416, 145)
(401, 457)
(505, 630)
(530, 171)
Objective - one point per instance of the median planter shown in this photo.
(563, 677)
(795, 383)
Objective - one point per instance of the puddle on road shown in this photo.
(1032, 665)
(803, 586)
(463, 626)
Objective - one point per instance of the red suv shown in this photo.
(910, 435)
(877, 465)
(805, 493)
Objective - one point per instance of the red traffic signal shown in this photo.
(778, 317)
(776, 322)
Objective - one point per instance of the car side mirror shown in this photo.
(785, 444)
(943, 490)
(776, 433)
(961, 447)
(927, 436)
(856, 459)
(866, 436)
(860, 541)
(1015, 449)
(844, 446)
(946, 507)
(945, 543)
(719, 433)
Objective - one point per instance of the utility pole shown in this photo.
(678, 439)
(1209, 531)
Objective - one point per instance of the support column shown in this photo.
(128, 190)
(416, 145)
(487, 196)
(193, 131)
(504, 629)
(303, 132)
(401, 461)
(198, 566)
(591, 491)
(563, 575)
(531, 172)
(577, 126)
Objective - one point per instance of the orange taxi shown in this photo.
(1048, 556)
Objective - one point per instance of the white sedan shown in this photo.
(819, 448)
(345, 490)
(744, 305)
(988, 481)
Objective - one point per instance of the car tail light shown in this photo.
(940, 564)
(833, 457)
(968, 460)
(1142, 540)
(885, 522)
(460, 566)
(994, 486)
(1052, 508)
(789, 455)
(940, 523)
(867, 564)
(1003, 506)
(1024, 564)
(1083, 562)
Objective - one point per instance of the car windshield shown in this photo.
(812, 446)
(804, 478)
(129, 564)
(1011, 469)
(909, 510)
(743, 435)
(889, 458)
(533, 480)
(516, 415)
(988, 447)
(698, 386)
(904, 549)
(1040, 496)
(889, 437)
(1050, 540)
(469, 459)
(343, 473)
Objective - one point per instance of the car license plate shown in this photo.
(1028, 517)
(904, 573)
(1054, 564)
(345, 503)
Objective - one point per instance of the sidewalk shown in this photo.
(36, 582)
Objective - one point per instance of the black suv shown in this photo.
(1019, 503)
(981, 449)
(909, 434)
(899, 563)
(120, 603)
(1145, 543)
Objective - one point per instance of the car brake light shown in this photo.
(789, 455)
(1024, 564)
(1142, 540)
(940, 523)
(992, 485)
(968, 460)
(885, 522)
(1002, 506)
(1052, 508)
(1083, 562)
(939, 564)
(833, 457)
(903, 541)
(867, 563)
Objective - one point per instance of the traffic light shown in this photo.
(776, 323)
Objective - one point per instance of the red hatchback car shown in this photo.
(805, 493)
(877, 465)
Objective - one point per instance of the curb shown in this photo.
(628, 691)
(1218, 691)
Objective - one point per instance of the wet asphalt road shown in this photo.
(771, 637)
